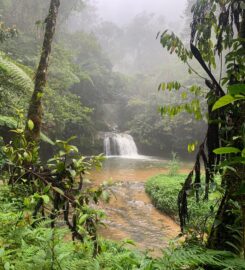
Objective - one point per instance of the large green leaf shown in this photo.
(46, 139)
(226, 150)
(223, 101)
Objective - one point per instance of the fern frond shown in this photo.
(195, 256)
(14, 74)
(8, 121)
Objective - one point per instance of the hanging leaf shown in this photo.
(46, 139)
(30, 124)
(223, 101)
(226, 150)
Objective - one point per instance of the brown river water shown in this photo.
(130, 213)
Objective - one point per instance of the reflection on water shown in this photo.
(138, 168)
(130, 213)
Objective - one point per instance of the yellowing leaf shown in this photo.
(30, 124)
(191, 147)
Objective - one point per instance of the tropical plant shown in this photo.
(13, 76)
(53, 189)
(41, 247)
(216, 19)
(163, 191)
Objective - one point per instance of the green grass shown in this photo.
(163, 191)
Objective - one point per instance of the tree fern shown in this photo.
(16, 85)
(8, 121)
(14, 73)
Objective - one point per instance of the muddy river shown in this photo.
(130, 214)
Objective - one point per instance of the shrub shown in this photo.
(164, 189)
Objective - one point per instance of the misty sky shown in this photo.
(121, 11)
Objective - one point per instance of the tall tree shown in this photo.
(234, 180)
(35, 112)
(224, 20)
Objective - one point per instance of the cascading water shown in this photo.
(119, 144)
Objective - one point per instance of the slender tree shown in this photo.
(35, 112)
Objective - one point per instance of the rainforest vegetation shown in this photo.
(73, 86)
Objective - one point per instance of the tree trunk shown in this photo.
(35, 113)
(229, 225)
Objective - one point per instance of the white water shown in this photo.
(120, 144)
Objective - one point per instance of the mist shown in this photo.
(122, 11)
(107, 62)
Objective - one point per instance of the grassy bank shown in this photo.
(163, 191)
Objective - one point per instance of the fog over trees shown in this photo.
(121, 12)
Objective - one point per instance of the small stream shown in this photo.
(130, 214)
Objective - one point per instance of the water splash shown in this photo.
(120, 144)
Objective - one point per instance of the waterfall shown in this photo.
(119, 144)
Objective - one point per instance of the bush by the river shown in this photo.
(163, 191)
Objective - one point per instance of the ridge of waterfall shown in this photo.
(120, 144)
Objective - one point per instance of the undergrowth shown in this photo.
(43, 248)
(163, 191)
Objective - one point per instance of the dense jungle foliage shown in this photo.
(96, 71)
(48, 213)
